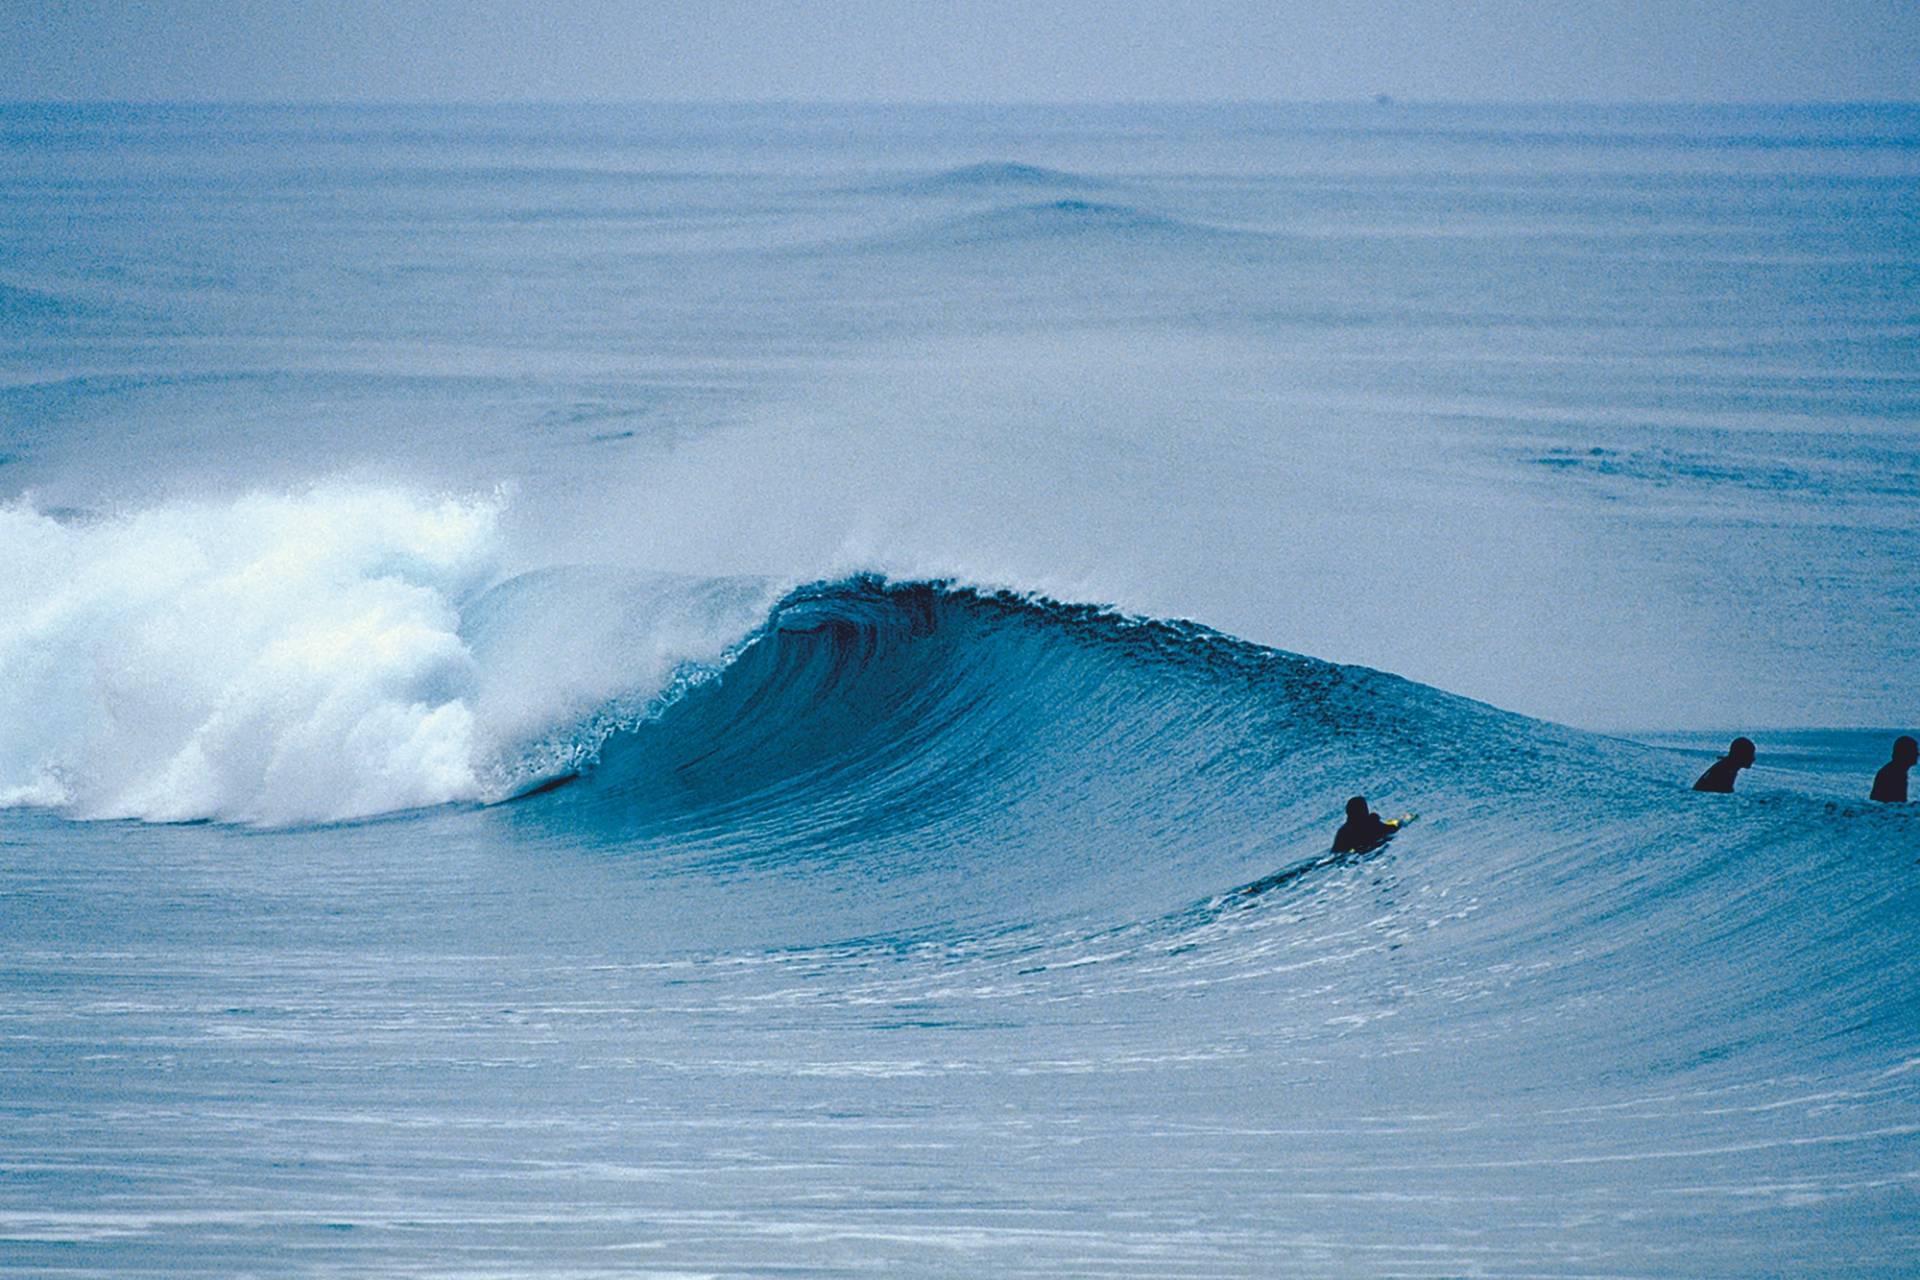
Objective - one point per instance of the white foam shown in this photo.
(275, 658)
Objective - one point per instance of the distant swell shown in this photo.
(1067, 224)
(998, 176)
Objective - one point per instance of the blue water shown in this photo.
(764, 691)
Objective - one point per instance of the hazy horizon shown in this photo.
(993, 103)
(1133, 51)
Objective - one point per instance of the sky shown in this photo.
(983, 51)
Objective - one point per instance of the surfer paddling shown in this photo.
(1720, 775)
(1364, 830)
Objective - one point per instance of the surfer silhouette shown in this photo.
(1722, 772)
(1890, 784)
(1363, 830)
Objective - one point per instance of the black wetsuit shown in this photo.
(1358, 835)
(1719, 776)
(1890, 784)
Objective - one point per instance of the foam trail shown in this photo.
(273, 659)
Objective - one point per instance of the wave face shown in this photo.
(864, 710)
(989, 765)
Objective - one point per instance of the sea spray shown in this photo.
(274, 658)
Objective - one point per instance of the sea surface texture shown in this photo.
(764, 692)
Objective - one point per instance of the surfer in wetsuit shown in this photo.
(1890, 784)
(1721, 773)
(1363, 830)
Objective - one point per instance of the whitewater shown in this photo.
(765, 691)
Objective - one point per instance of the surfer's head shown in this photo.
(1741, 752)
(1906, 751)
(1356, 808)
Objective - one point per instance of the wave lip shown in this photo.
(569, 656)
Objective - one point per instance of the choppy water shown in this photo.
(766, 476)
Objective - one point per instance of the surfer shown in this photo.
(1890, 784)
(1363, 830)
(1721, 773)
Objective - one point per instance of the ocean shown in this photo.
(764, 691)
